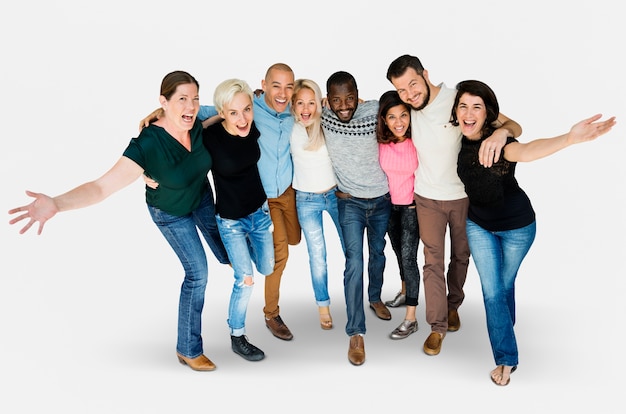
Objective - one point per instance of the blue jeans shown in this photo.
(498, 256)
(248, 240)
(182, 234)
(310, 208)
(358, 216)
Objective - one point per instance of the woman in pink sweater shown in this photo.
(398, 159)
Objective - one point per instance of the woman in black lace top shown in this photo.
(501, 219)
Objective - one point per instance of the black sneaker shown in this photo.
(242, 347)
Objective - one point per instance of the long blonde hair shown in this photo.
(314, 130)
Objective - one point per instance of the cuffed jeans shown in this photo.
(498, 256)
(247, 240)
(310, 207)
(182, 235)
(434, 217)
(358, 216)
(403, 231)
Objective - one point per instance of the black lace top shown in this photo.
(496, 200)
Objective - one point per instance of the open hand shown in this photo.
(42, 209)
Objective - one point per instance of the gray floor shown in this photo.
(102, 341)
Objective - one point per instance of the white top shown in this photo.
(312, 170)
(438, 144)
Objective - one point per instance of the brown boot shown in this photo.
(200, 363)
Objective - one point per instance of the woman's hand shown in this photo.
(154, 116)
(588, 129)
(42, 209)
(150, 182)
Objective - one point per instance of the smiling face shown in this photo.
(471, 115)
(413, 88)
(398, 120)
(305, 106)
(278, 89)
(182, 107)
(343, 99)
(238, 114)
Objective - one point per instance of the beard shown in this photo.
(426, 98)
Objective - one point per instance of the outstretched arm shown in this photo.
(43, 208)
(491, 148)
(586, 130)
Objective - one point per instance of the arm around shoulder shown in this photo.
(512, 128)
(491, 148)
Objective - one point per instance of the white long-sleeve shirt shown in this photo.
(312, 170)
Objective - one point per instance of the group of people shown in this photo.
(422, 161)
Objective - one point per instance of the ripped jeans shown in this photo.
(247, 240)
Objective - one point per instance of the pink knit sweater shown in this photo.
(399, 162)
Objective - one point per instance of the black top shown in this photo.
(497, 202)
(238, 187)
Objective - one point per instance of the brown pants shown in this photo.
(286, 232)
(434, 217)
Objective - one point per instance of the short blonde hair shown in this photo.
(226, 91)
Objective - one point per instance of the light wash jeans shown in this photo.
(182, 234)
(357, 217)
(498, 256)
(310, 207)
(247, 240)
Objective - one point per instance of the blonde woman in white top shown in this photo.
(315, 185)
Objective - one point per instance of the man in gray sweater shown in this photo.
(362, 197)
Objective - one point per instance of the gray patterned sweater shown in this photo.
(353, 151)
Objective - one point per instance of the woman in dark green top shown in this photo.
(171, 151)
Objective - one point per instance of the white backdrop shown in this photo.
(88, 309)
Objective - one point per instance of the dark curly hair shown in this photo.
(483, 91)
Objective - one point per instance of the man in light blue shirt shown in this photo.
(273, 118)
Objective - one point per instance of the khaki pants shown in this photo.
(286, 232)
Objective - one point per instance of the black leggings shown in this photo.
(403, 231)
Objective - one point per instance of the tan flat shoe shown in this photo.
(200, 363)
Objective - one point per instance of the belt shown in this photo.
(341, 194)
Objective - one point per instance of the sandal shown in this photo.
(498, 373)
(326, 321)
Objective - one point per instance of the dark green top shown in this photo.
(181, 174)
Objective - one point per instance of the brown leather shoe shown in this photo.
(356, 351)
(200, 363)
(432, 346)
(278, 328)
(454, 323)
(381, 310)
